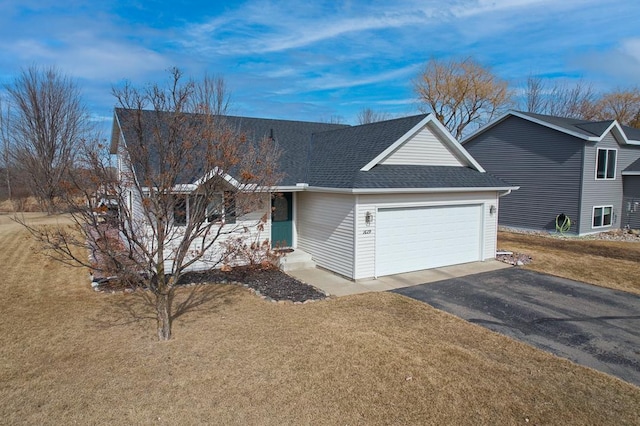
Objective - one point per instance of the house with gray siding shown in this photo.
(587, 171)
(364, 201)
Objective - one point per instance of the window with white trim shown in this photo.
(221, 207)
(606, 163)
(602, 216)
(216, 208)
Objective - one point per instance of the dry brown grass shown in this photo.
(611, 264)
(70, 355)
(23, 204)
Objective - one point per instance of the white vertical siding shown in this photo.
(423, 149)
(366, 238)
(325, 229)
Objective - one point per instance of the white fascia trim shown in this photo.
(290, 188)
(558, 128)
(440, 129)
(630, 173)
(618, 133)
(453, 143)
(533, 120)
(365, 191)
(615, 126)
(217, 172)
(396, 144)
(185, 188)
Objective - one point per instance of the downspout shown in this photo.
(581, 189)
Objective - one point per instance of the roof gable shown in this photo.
(424, 148)
(432, 143)
(591, 131)
(633, 168)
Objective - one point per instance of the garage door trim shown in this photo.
(474, 252)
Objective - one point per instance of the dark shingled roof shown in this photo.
(337, 156)
(331, 155)
(396, 176)
(583, 127)
(633, 167)
(632, 133)
(292, 138)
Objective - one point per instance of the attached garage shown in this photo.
(416, 238)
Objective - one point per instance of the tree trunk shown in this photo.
(163, 312)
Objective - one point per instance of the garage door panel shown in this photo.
(410, 239)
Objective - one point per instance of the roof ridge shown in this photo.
(338, 125)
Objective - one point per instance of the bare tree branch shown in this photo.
(188, 187)
(367, 115)
(47, 123)
(461, 93)
(559, 99)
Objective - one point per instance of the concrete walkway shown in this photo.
(337, 285)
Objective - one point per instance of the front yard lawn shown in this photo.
(611, 264)
(70, 355)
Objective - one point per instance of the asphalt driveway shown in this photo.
(590, 325)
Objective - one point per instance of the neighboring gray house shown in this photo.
(371, 200)
(589, 171)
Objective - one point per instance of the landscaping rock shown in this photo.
(515, 259)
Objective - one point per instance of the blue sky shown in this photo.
(311, 60)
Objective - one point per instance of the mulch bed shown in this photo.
(268, 282)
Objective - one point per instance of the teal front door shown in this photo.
(282, 219)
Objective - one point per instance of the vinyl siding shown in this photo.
(423, 149)
(631, 202)
(324, 225)
(246, 227)
(544, 163)
(130, 195)
(366, 234)
(599, 192)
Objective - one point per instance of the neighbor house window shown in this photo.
(222, 207)
(606, 164)
(602, 216)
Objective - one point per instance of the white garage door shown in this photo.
(411, 239)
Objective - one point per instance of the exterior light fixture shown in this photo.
(492, 210)
(367, 218)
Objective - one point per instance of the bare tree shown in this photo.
(48, 121)
(211, 96)
(534, 96)
(333, 119)
(559, 99)
(367, 115)
(460, 93)
(6, 150)
(188, 190)
(621, 104)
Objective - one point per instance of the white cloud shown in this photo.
(262, 27)
(619, 66)
(96, 59)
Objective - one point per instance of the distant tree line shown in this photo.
(463, 92)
